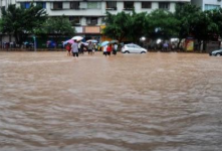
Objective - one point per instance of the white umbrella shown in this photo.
(85, 43)
(92, 40)
(104, 43)
(78, 38)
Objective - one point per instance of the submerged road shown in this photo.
(150, 102)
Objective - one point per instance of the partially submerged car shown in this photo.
(216, 52)
(133, 48)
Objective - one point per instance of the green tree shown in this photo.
(18, 21)
(213, 22)
(163, 24)
(188, 16)
(56, 25)
(203, 29)
(209, 26)
(125, 26)
(216, 17)
(117, 26)
(138, 26)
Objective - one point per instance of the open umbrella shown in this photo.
(92, 40)
(78, 38)
(85, 43)
(104, 43)
(68, 41)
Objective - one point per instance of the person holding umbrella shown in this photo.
(105, 50)
(104, 46)
(67, 44)
(90, 47)
(68, 48)
(109, 49)
(75, 50)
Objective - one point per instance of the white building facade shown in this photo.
(207, 4)
(88, 15)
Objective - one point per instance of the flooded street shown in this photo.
(150, 102)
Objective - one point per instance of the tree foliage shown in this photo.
(187, 21)
(138, 24)
(125, 25)
(117, 26)
(188, 16)
(213, 23)
(201, 25)
(163, 24)
(18, 21)
(56, 25)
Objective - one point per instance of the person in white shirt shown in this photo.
(105, 50)
(115, 48)
(75, 50)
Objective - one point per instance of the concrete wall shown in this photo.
(101, 11)
(201, 3)
(94, 12)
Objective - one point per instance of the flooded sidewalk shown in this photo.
(150, 102)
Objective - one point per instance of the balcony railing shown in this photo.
(129, 8)
(111, 8)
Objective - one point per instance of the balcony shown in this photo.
(111, 8)
(128, 9)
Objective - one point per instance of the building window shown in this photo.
(180, 4)
(25, 5)
(103, 20)
(93, 5)
(74, 5)
(111, 5)
(57, 5)
(128, 5)
(146, 5)
(42, 4)
(210, 7)
(75, 21)
(164, 5)
(92, 20)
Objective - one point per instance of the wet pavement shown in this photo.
(150, 102)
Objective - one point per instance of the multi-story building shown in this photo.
(207, 4)
(89, 14)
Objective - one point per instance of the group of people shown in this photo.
(110, 48)
(78, 47)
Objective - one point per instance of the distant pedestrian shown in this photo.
(115, 48)
(109, 49)
(165, 46)
(68, 48)
(90, 47)
(75, 50)
(81, 48)
(105, 50)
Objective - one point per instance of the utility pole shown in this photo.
(34, 44)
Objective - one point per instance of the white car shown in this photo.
(133, 48)
(216, 52)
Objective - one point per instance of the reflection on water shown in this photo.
(151, 102)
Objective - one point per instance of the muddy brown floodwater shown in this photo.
(150, 102)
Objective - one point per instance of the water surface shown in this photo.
(150, 102)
